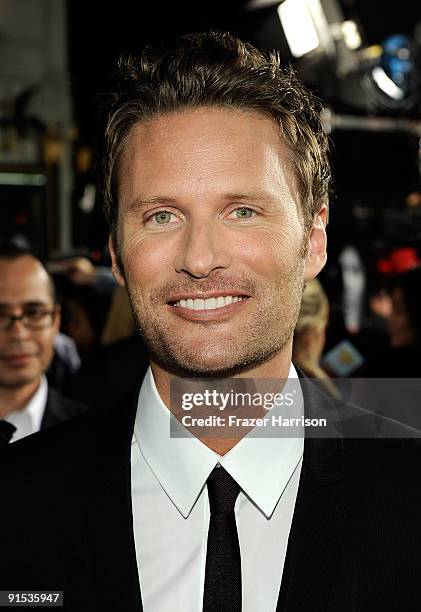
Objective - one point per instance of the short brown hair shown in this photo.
(215, 69)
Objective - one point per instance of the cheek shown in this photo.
(270, 243)
(271, 252)
(46, 349)
(147, 263)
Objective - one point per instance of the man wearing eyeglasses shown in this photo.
(29, 324)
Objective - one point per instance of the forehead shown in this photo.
(202, 150)
(23, 280)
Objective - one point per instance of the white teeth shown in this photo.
(209, 303)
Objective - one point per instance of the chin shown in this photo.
(192, 368)
(17, 383)
(206, 366)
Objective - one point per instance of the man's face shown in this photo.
(24, 353)
(207, 217)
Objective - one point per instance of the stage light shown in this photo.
(386, 84)
(351, 35)
(298, 27)
(329, 53)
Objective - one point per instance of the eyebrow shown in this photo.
(141, 202)
(257, 196)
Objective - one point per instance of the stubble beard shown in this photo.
(265, 334)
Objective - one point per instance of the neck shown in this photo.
(275, 368)
(16, 398)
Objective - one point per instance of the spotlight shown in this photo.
(329, 53)
(388, 83)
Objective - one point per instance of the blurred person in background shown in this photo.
(86, 292)
(85, 313)
(120, 323)
(405, 316)
(98, 318)
(80, 270)
(116, 363)
(29, 325)
(403, 357)
(65, 363)
(310, 334)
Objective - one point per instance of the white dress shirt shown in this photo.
(171, 508)
(28, 420)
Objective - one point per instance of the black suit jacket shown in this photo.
(59, 408)
(354, 545)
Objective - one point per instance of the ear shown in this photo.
(317, 243)
(114, 265)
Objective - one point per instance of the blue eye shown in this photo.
(162, 217)
(244, 213)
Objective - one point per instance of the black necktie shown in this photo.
(6, 432)
(222, 591)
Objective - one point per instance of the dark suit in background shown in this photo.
(55, 409)
(110, 369)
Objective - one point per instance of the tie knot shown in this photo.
(223, 491)
(6, 432)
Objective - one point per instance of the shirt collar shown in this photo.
(262, 466)
(34, 409)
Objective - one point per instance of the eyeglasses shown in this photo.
(32, 318)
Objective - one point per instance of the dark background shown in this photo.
(373, 172)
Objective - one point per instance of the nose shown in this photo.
(203, 250)
(17, 329)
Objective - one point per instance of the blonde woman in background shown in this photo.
(310, 334)
(120, 322)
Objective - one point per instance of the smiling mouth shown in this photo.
(17, 359)
(213, 303)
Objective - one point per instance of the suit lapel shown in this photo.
(58, 408)
(110, 532)
(52, 412)
(107, 509)
(319, 516)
